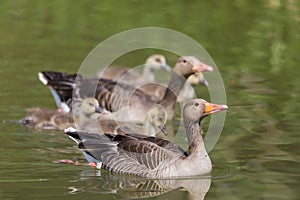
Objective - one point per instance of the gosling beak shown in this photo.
(203, 81)
(99, 109)
(165, 67)
(201, 67)
(163, 129)
(213, 108)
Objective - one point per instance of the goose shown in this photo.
(149, 156)
(153, 62)
(153, 125)
(122, 99)
(46, 119)
(157, 90)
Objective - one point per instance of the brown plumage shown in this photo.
(153, 125)
(152, 157)
(123, 99)
(47, 119)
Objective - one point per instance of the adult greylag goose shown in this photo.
(157, 90)
(153, 125)
(47, 119)
(149, 156)
(129, 76)
(124, 100)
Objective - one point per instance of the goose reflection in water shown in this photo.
(133, 187)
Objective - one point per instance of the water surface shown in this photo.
(255, 46)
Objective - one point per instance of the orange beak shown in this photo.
(213, 108)
(202, 68)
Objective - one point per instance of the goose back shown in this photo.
(132, 77)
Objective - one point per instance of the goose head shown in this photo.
(157, 118)
(198, 109)
(197, 78)
(90, 106)
(188, 65)
(157, 61)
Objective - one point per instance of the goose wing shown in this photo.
(111, 95)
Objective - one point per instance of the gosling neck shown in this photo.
(84, 117)
(187, 92)
(147, 75)
(148, 128)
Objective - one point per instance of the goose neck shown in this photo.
(176, 83)
(194, 136)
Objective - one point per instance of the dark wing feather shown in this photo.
(111, 95)
(54, 78)
(62, 83)
(160, 142)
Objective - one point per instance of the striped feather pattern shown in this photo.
(129, 154)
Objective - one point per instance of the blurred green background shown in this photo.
(255, 44)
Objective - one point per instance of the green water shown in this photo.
(255, 45)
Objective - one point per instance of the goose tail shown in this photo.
(61, 86)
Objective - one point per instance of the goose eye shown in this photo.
(157, 60)
(91, 104)
(160, 119)
(184, 61)
(196, 104)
